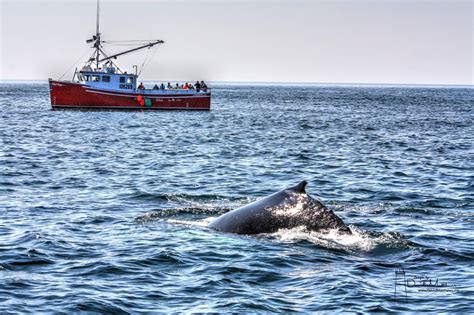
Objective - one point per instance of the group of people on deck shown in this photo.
(198, 86)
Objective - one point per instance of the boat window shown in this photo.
(95, 78)
(87, 77)
(106, 78)
(80, 77)
(130, 80)
(122, 79)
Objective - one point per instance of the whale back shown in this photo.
(288, 208)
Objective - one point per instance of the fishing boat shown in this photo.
(101, 84)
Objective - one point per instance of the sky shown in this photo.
(320, 41)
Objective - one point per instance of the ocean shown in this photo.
(106, 211)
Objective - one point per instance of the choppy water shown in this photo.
(107, 211)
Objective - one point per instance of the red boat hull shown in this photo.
(70, 95)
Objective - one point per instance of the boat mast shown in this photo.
(99, 55)
(97, 35)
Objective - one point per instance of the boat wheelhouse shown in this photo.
(108, 79)
(101, 84)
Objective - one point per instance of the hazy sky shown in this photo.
(351, 41)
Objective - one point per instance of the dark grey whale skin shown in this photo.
(288, 208)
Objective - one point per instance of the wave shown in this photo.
(190, 200)
(359, 240)
(201, 223)
(184, 212)
(143, 195)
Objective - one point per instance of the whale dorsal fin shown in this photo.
(300, 188)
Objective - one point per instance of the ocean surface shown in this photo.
(107, 211)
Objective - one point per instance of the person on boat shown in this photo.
(177, 86)
(169, 87)
(109, 67)
(203, 86)
(162, 87)
(198, 86)
(155, 87)
(186, 86)
(141, 86)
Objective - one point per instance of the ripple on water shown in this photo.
(108, 211)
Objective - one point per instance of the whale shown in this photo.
(289, 208)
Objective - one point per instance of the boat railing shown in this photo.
(173, 91)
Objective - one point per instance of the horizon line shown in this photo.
(271, 83)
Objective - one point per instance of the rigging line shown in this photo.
(91, 59)
(143, 64)
(151, 58)
(110, 60)
(88, 49)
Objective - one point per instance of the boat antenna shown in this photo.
(97, 34)
(96, 40)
